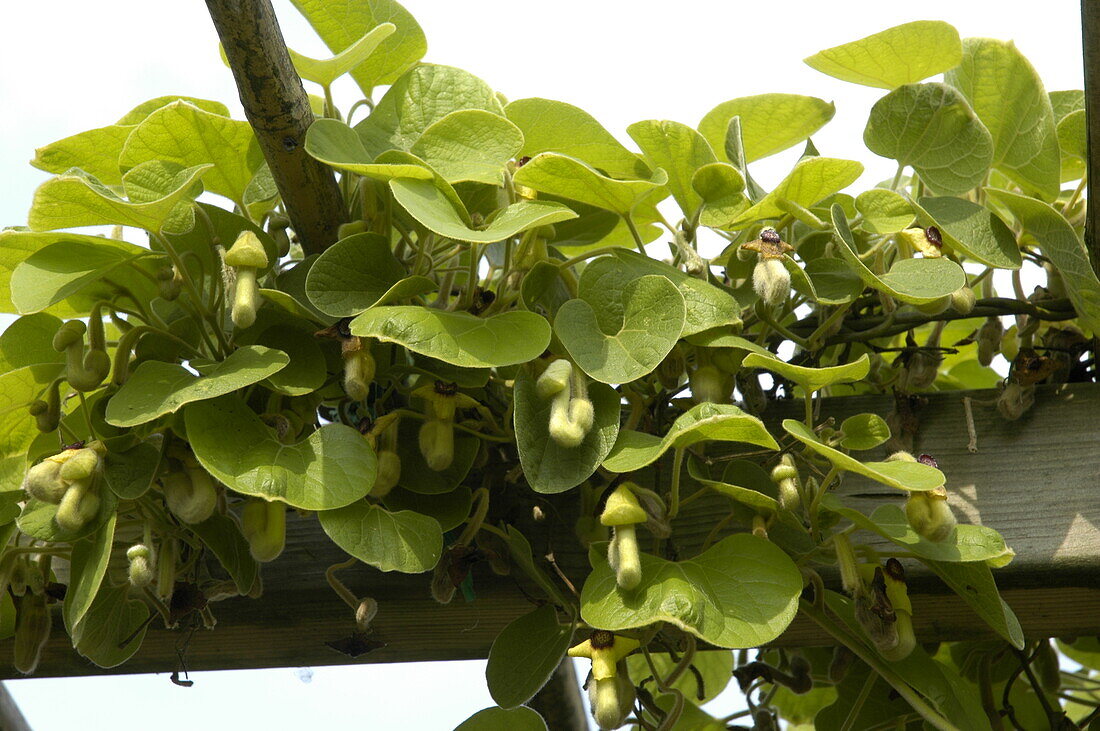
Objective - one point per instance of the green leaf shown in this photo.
(715, 668)
(1073, 136)
(884, 211)
(742, 592)
(974, 583)
(339, 146)
(95, 151)
(498, 719)
(904, 54)
(152, 180)
(568, 177)
(434, 209)
(520, 549)
(332, 467)
(328, 70)
(704, 422)
(833, 281)
(352, 275)
(972, 230)
(603, 280)
(29, 341)
(653, 318)
(458, 338)
(87, 567)
(1063, 246)
(916, 281)
(404, 541)
(469, 145)
(182, 133)
(417, 476)
(524, 656)
(1008, 96)
(813, 179)
(419, 99)
(548, 466)
(552, 126)
(811, 379)
(139, 113)
(307, 370)
(770, 123)
(721, 187)
(678, 150)
(114, 627)
(223, 537)
(130, 474)
(932, 128)
(912, 476)
(753, 489)
(156, 388)
(966, 542)
(880, 706)
(63, 269)
(864, 431)
(76, 199)
(341, 25)
(450, 509)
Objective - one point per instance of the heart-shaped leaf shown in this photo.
(721, 188)
(524, 656)
(884, 211)
(326, 71)
(902, 475)
(29, 341)
(678, 150)
(864, 431)
(352, 275)
(972, 230)
(770, 123)
(1008, 96)
(37, 519)
(812, 179)
(933, 129)
(653, 318)
(307, 370)
(1065, 249)
(450, 509)
(182, 133)
(966, 542)
(703, 422)
(404, 541)
(74, 199)
(548, 466)
(95, 151)
(904, 54)
(576, 180)
(222, 535)
(114, 627)
(339, 146)
(130, 474)
(811, 379)
(833, 281)
(458, 338)
(713, 672)
(156, 388)
(744, 493)
(341, 26)
(552, 126)
(742, 592)
(973, 581)
(916, 281)
(435, 210)
(499, 719)
(469, 145)
(416, 476)
(87, 567)
(332, 467)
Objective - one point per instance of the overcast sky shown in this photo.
(72, 65)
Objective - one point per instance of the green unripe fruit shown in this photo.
(264, 527)
(389, 472)
(929, 514)
(437, 444)
(79, 505)
(32, 631)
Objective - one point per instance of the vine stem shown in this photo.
(857, 705)
(674, 488)
(877, 665)
(635, 233)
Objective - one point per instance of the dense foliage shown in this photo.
(496, 322)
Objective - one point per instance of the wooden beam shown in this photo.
(278, 109)
(1035, 480)
(559, 702)
(1090, 44)
(11, 718)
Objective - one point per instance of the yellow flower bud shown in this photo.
(929, 514)
(389, 472)
(263, 524)
(437, 444)
(141, 565)
(79, 505)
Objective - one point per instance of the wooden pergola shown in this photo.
(1035, 480)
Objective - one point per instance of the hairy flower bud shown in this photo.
(437, 444)
(929, 514)
(708, 384)
(389, 472)
(32, 631)
(771, 281)
(263, 524)
(785, 477)
(190, 494)
(142, 565)
(79, 505)
(963, 300)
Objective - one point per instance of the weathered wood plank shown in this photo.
(1034, 480)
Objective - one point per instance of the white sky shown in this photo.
(70, 65)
